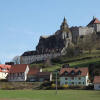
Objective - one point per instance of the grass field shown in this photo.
(49, 95)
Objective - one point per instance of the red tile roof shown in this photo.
(94, 21)
(83, 71)
(18, 68)
(7, 67)
(33, 71)
(97, 79)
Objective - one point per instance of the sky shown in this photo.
(22, 22)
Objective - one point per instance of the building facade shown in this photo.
(18, 73)
(74, 76)
(97, 82)
(4, 70)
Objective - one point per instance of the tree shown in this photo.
(70, 50)
(87, 42)
(16, 60)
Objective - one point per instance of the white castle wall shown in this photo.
(34, 58)
(85, 30)
(79, 31)
(98, 27)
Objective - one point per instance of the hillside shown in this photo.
(80, 61)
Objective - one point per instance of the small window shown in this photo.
(72, 72)
(79, 78)
(73, 83)
(79, 82)
(72, 78)
(66, 82)
(66, 73)
(66, 78)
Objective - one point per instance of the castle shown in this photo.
(55, 45)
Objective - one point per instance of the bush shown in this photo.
(65, 86)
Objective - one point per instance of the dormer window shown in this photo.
(66, 73)
(72, 72)
(79, 72)
(3, 69)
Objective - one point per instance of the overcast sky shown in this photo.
(23, 21)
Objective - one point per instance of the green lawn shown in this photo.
(49, 95)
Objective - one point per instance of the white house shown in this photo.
(4, 69)
(18, 72)
(74, 76)
(97, 82)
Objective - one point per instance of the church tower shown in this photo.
(64, 25)
(65, 31)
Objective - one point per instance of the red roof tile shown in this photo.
(33, 71)
(18, 68)
(7, 67)
(84, 71)
(97, 79)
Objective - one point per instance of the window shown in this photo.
(72, 72)
(66, 82)
(79, 72)
(72, 78)
(66, 73)
(79, 78)
(79, 82)
(72, 83)
(66, 78)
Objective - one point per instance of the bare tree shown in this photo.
(87, 42)
(16, 60)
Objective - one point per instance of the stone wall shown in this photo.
(80, 31)
(85, 30)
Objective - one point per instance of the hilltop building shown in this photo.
(55, 45)
(50, 47)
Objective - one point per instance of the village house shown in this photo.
(74, 76)
(32, 74)
(36, 74)
(97, 82)
(4, 69)
(23, 72)
(18, 72)
(44, 76)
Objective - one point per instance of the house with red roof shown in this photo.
(44, 76)
(33, 73)
(97, 82)
(36, 74)
(18, 72)
(74, 76)
(4, 70)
